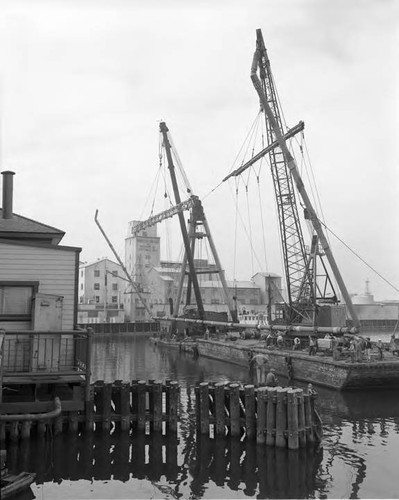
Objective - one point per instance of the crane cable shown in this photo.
(360, 258)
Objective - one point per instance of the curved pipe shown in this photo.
(34, 416)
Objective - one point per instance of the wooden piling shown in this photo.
(250, 420)
(141, 404)
(234, 409)
(172, 406)
(219, 409)
(301, 419)
(106, 407)
(261, 420)
(41, 427)
(204, 407)
(157, 406)
(292, 419)
(281, 417)
(308, 420)
(271, 416)
(125, 407)
(25, 429)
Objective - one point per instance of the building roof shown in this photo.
(23, 228)
(267, 275)
(88, 264)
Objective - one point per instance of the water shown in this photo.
(358, 458)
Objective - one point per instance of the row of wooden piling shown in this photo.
(136, 406)
(275, 416)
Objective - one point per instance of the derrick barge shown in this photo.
(316, 369)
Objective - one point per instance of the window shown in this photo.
(114, 286)
(81, 286)
(97, 299)
(115, 274)
(16, 300)
(81, 300)
(96, 273)
(96, 286)
(114, 299)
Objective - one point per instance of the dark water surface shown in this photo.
(358, 458)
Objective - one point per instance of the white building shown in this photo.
(101, 292)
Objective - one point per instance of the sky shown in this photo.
(85, 84)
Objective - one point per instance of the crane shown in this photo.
(300, 269)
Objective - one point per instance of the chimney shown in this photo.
(7, 193)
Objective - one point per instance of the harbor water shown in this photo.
(357, 459)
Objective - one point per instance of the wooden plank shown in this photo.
(250, 418)
(292, 419)
(219, 410)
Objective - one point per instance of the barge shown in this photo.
(317, 369)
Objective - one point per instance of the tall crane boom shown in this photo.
(299, 278)
(286, 164)
(166, 214)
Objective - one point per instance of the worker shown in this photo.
(312, 346)
(352, 349)
(271, 379)
(367, 346)
(280, 341)
(297, 344)
(380, 347)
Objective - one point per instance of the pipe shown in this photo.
(289, 328)
(34, 416)
(7, 193)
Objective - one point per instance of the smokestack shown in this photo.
(7, 193)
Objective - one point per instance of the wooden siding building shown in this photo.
(38, 303)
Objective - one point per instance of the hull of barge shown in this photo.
(319, 370)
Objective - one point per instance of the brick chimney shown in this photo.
(7, 193)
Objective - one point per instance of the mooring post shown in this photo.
(271, 416)
(281, 417)
(204, 407)
(301, 419)
(234, 390)
(261, 420)
(219, 410)
(250, 420)
(292, 419)
(141, 404)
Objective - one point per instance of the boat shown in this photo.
(12, 484)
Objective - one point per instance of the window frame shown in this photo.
(20, 284)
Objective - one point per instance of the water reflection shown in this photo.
(229, 464)
(361, 439)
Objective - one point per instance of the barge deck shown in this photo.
(318, 369)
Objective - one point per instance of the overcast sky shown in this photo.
(85, 84)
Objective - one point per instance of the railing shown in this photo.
(36, 351)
